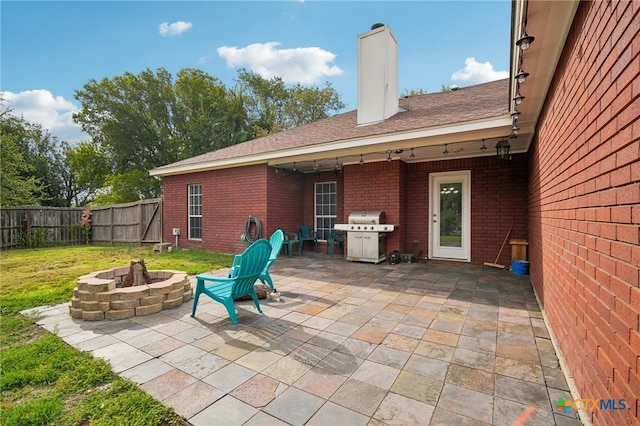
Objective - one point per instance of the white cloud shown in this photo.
(54, 114)
(305, 65)
(476, 72)
(177, 28)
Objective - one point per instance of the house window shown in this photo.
(325, 208)
(195, 212)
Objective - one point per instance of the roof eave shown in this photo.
(483, 128)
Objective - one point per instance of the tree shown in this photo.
(17, 188)
(91, 167)
(272, 107)
(207, 115)
(33, 161)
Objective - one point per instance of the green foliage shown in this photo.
(91, 166)
(34, 237)
(271, 106)
(131, 185)
(80, 232)
(123, 403)
(49, 360)
(18, 186)
(42, 410)
(15, 328)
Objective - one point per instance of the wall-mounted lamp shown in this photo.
(483, 147)
(518, 98)
(521, 77)
(446, 151)
(515, 114)
(412, 156)
(515, 129)
(361, 160)
(389, 156)
(294, 167)
(503, 149)
(525, 41)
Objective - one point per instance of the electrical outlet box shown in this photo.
(176, 231)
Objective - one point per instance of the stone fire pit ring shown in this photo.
(98, 295)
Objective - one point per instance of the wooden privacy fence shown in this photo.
(139, 222)
(27, 226)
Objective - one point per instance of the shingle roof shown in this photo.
(482, 101)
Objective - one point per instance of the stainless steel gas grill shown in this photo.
(366, 236)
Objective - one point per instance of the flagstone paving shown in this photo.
(348, 343)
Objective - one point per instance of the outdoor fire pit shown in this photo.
(120, 293)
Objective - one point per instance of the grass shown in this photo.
(43, 380)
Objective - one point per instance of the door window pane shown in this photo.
(451, 214)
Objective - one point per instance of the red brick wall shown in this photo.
(584, 205)
(498, 201)
(285, 200)
(229, 197)
(376, 187)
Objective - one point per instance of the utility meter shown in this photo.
(176, 231)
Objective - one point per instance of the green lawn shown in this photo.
(43, 380)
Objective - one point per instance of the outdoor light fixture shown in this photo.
(515, 129)
(446, 151)
(315, 166)
(389, 156)
(525, 41)
(412, 156)
(483, 147)
(361, 160)
(521, 77)
(518, 98)
(503, 149)
(338, 166)
(515, 114)
(294, 167)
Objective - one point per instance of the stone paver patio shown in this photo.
(348, 344)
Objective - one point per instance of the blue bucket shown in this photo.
(520, 267)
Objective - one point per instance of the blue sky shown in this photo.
(50, 49)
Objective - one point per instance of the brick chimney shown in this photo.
(377, 75)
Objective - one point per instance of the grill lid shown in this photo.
(367, 217)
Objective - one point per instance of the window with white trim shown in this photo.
(325, 208)
(195, 212)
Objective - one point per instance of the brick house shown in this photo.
(570, 184)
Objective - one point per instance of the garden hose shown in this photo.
(247, 230)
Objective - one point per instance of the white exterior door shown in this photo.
(450, 215)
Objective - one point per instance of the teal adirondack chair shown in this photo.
(307, 233)
(276, 240)
(251, 264)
